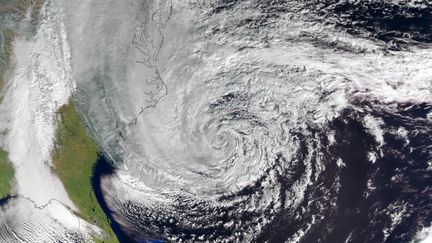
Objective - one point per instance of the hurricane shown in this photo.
(257, 121)
(250, 121)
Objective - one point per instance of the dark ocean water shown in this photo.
(360, 207)
(382, 190)
(4, 201)
(104, 168)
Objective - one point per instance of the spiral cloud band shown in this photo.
(254, 121)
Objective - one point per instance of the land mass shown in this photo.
(6, 175)
(74, 159)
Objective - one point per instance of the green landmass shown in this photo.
(74, 159)
(6, 175)
(75, 152)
